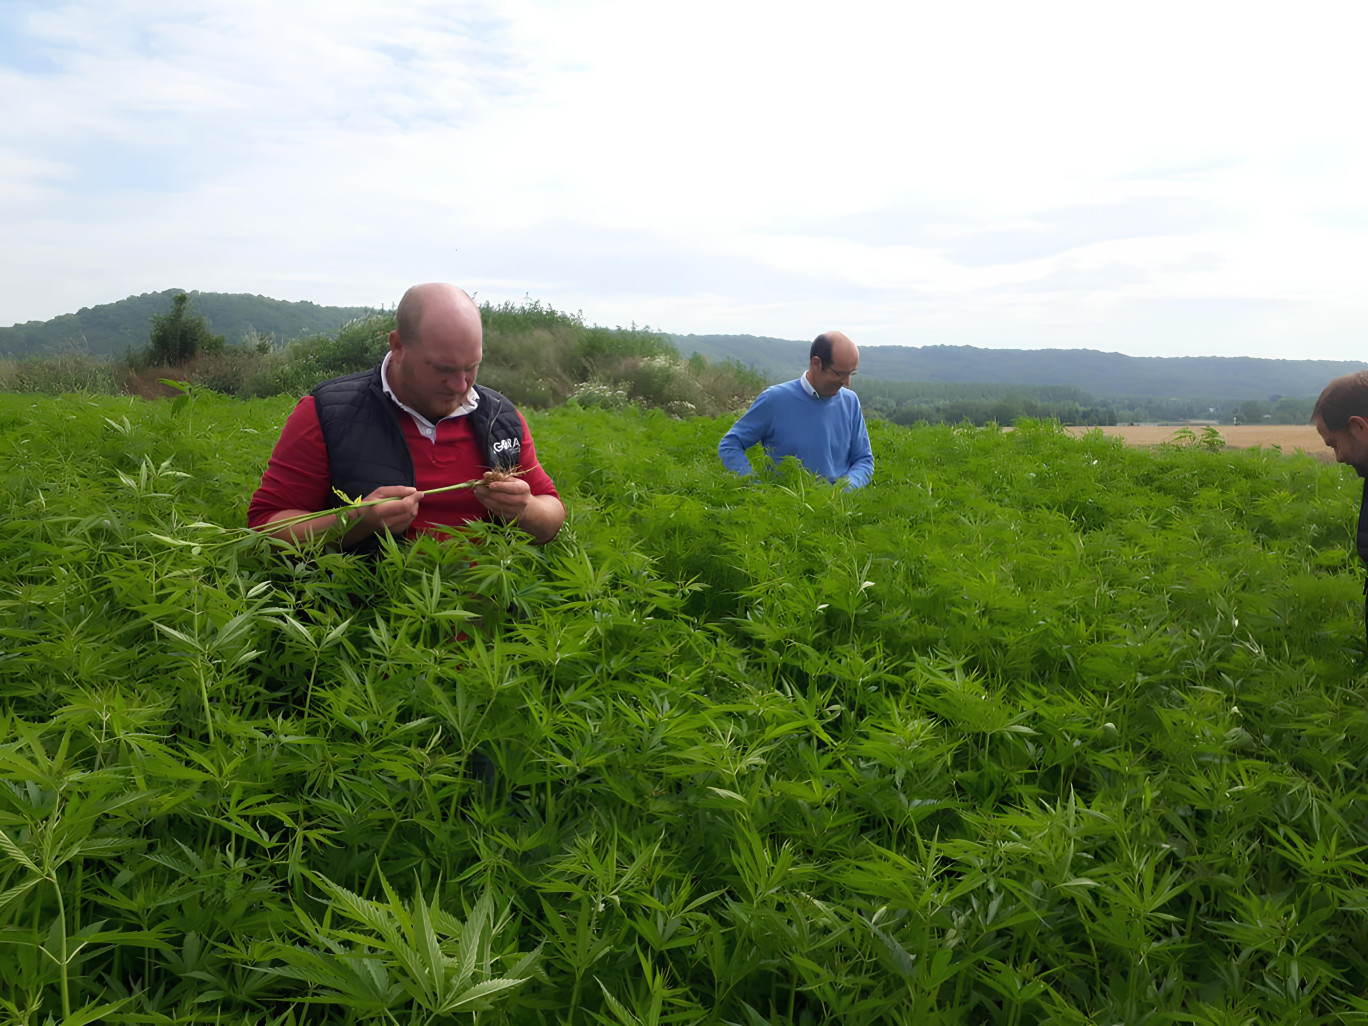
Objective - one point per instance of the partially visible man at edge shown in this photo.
(416, 421)
(816, 418)
(1341, 417)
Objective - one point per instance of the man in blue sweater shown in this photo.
(815, 418)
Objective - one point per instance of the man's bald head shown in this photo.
(446, 303)
(834, 347)
(435, 349)
(832, 359)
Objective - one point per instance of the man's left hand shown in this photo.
(540, 516)
(505, 498)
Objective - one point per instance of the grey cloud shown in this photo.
(961, 236)
(1071, 277)
(587, 259)
(1057, 231)
(1343, 218)
(1188, 171)
(919, 225)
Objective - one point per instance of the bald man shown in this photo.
(416, 422)
(816, 418)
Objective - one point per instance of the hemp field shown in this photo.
(1034, 729)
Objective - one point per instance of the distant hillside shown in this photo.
(112, 329)
(1097, 373)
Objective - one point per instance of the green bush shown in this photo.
(596, 396)
(179, 335)
(63, 373)
(525, 357)
(357, 347)
(600, 352)
(228, 371)
(534, 354)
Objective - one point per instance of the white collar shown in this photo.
(427, 427)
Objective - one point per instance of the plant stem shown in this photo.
(61, 920)
(338, 511)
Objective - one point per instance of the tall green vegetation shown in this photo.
(538, 356)
(179, 335)
(1033, 729)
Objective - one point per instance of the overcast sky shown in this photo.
(1149, 178)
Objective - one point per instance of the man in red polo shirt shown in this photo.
(417, 421)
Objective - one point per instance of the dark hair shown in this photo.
(821, 348)
(1345, 397)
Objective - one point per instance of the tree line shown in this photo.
(115, 329)
(538, 356)
(1199, 379)
(906, 402)
(542, 357)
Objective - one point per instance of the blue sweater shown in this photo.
(827, 435)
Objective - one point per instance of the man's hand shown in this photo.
(540, 516)
(505, 498)
(394, 516)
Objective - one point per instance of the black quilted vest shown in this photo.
(1362, 533)
(366, 447)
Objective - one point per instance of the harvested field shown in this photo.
(1288, 437)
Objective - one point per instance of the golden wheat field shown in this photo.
(1288, 437)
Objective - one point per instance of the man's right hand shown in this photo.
(394, 516)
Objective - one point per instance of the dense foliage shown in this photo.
(113, 329)
(179, 335)
(1030, 730)
(536, 355)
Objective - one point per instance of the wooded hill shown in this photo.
(1097, 373)
(112, 329)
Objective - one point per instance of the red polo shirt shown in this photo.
(297, 475)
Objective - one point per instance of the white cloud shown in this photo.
(1143, 177)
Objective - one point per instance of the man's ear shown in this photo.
(394, 343)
